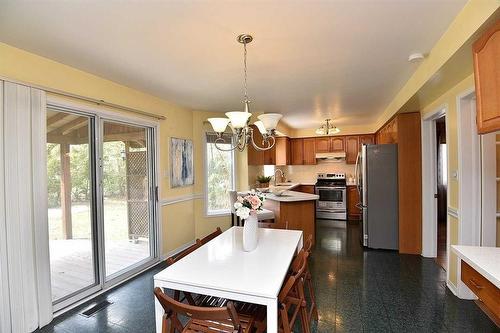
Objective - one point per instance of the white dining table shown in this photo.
(221, 268)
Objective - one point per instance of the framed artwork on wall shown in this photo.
(181, 162)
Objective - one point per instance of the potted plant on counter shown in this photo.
(263, 181)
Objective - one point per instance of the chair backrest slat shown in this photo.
(173, 259)
(298, 268)
(211, 236)
(227, 313)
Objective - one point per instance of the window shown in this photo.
(219, 174)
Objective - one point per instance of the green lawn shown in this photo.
(115, 217)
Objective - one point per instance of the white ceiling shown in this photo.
(309, 60)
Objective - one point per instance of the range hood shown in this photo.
(331, 157)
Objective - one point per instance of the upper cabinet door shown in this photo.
(282, 151)
(297, 150)
(352, 148)
(322, 144)
(486, 53)
(255, 157)
(309, 151)
(368, 139)
(337, 144)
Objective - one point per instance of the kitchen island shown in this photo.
(480, 271)
(294, 210)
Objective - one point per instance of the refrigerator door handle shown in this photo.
(356, 174)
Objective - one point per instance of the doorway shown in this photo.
(441, 190)
(101, 202)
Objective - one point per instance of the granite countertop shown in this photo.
(483, 259)
(292, 196)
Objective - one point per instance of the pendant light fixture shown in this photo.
(239, 120)
(327, 128)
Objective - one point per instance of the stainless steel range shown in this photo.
(331, 188)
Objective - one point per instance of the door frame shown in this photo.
(429, 180)
(99, 112)
(469, 175)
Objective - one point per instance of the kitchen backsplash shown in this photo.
(308, 173)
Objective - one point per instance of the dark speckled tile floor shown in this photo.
(357, 291)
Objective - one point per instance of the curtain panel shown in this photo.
(25, 289)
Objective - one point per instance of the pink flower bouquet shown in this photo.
(248, 204)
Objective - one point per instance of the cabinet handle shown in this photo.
(475, 284)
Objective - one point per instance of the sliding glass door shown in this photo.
(127, 196)
(71, 218)
(102, 206)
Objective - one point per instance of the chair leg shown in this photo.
(232, 220)
(313, 311)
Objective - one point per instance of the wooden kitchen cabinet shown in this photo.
(367, 139)
(351, 149)
(297, 151)
(337, 144)
(486, 56)
(306, 189)
(322, 145)
(254, 156)
(329, 144)
(270, 156)
(309, 151)
(404, 130)
(282, 151)
(353, 212)
(278, 155)
(488, 294)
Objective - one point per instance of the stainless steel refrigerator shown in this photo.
(377, 180)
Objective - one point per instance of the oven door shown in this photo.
(331, 198)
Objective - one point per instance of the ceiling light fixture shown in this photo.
(239, 120)
(327, 128)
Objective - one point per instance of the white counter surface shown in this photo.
(485, 260)
(291, 196)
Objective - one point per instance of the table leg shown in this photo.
(272, 316)
(158, 315)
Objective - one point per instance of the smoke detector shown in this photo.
(415, 57)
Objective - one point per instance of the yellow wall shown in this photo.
(178, 222)
(466, 23)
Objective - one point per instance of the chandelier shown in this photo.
(239, 120)
(327, 128)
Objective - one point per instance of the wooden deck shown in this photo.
(72, 266)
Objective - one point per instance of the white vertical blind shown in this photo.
(5, 322)
(25, 207)
(41, 226)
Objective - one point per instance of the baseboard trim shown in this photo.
(452, 287)
(174, 200)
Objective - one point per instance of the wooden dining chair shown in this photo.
(211, 236)
(201, 319)
(172, 260)
(312, 310)
(291, 301)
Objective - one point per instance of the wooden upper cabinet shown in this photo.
(322, 144)
(352, 149)
(255, 157)
(309, 151)
(368, 139)
(337, 144)
(270, 156)
(282, 151)
(486, 55)
(297, 151)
